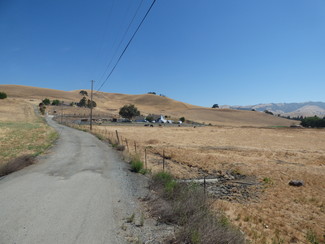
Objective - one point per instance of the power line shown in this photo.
(126, 47)
(99, 50)
(123, 38)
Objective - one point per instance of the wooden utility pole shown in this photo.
(91, 106)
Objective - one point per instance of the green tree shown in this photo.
(129, 111)
(46, 101)
(89, 104)
(215, 106)
(83, 93)
(55, 102)
(82, 102)
(182, 119)
(268, 112)
(3, 95)
(314, 122)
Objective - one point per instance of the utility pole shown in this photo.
(91, 105)
(61, 112)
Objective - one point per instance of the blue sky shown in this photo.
(230, 52)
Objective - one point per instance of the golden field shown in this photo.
(21, 131)
(282, 213)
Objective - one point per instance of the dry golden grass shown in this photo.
(278, 155)
(12, 109)
(110, 103)
(21, 131)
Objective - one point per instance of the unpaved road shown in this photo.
(79, 192)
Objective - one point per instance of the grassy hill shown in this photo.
(109, 103)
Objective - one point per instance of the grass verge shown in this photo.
(21, 142)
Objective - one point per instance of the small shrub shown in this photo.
(3, 95)
(311, 237)
(136, 164)
(170, 186)
(267, 180)
(162, 178)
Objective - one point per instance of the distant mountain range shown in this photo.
(287, 109)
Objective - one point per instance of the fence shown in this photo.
(149, 156)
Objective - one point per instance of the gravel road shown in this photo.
(79, 192)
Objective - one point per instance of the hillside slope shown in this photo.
(288, 109)
(109, 103)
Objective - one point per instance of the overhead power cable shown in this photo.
(99, 50)
(128, 44)
(122, 39)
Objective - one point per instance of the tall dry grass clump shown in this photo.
(187, 206)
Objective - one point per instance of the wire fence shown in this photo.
(153, 158)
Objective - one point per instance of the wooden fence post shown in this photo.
(145, 158)
(127, 144)
(164, 160)
(118, 139)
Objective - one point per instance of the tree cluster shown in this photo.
(268, 112)
(86, 103)
(55, 102)
(313, 122)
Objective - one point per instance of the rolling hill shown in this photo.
(109, 104)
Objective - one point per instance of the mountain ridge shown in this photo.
(296, 109)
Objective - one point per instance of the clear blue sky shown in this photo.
(231, 52)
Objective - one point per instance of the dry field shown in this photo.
(282, 213)
(21, 131)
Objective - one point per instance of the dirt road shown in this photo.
(77, 193)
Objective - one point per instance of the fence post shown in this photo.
(145, 158)
(118, 139)
(135, 146)
(127, 144)
(164, 160)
